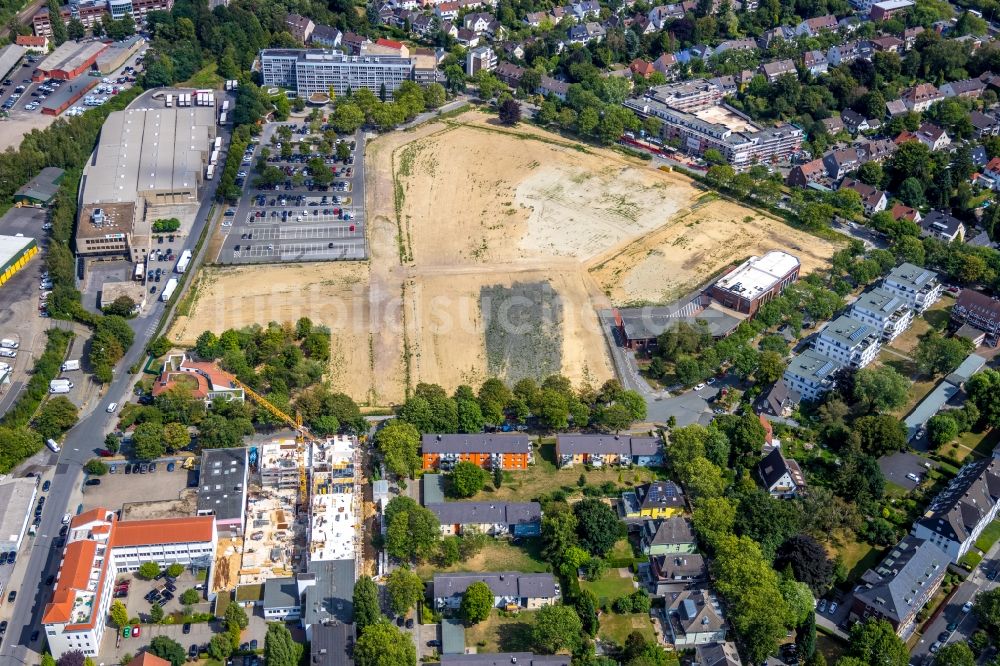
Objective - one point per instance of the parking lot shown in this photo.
(297, 220)
(118, 488)
(904, 469)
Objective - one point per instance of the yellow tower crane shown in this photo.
(302, 434)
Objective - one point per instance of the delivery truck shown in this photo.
(7, 343)
(60, 386)
(183, 262)
(71, 365)
(168, 290)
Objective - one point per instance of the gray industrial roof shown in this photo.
(331, 596)
(149, 150)
(223, 482)
(281, 593)
(69, 92)
(43, 186)
(16, 498)
(9, 56)
(70, 55)
(330, 645)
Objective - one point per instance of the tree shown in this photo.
(156, 613)
(467, 479)
(413, 531)
(118, 613)
(770, 367)
(95, 467)
(279, 647)
(190, 597)
(510, 111)
(123, 306)
(175, 570)
(75, 29)
(937, 355)
(942, 429)
(48, 660)
(880, 389)
(805, 637)
(800, 600)
(434, 95)
(147, 441)
(556, 627)
(148, 570)
(366, 607)
(879, 434)
(175, 436)
(347, 118)
(874, 643)
(477, 601)
(384, 645)
(405, 590)
(558, 531)
(55, 417)
(72, 658)
(955, 654)
(112, 443)
(59, 31)
(220, 647)
(809, 562)
(598, 526)
(398, 442)
(987, 609)
(236, 616)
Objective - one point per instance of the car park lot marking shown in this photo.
(319, 217)
(298, 251)
(304, 233)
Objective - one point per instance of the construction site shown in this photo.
(303, 507)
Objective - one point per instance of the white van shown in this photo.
(51, 443)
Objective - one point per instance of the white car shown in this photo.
(833, 607)
(111, 407)
(913, 477)
(66, 519)
(699, 387)
(967, 606)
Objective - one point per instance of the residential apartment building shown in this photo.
(310, 71)
(781, 477)
(849, 342)
(658, 499)
(222, 492)
(494, 518)
(885, 311)
(671, 535)
(509, 452)
(873, 200)
(942, 226)
(975, 309)
(756, 281)
(511, 589)
(601, 450)
(918, 287)
(694, 617)
(901, 585)
(674, 573)
(99, 546)
(920, 97)
(960, 512)
(300, 27)
(811, 374)
(89, 13)
(741, 149)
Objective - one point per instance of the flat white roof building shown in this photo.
(756, 281)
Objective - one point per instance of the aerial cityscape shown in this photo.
(483, 333)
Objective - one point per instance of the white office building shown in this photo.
(310, 71)
(98, 548)
(811, 374)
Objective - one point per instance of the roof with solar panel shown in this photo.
(847, 332)
(879, 300)
(812, 366)
(660, 494)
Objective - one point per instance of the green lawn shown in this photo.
(858, 556)
(989, 536)
(502, 634)
(611, 585)
(976, 444)
(497, 555)
(832, 647)
(204, 78)
(616, 627)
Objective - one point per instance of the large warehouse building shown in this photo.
(10, 55)
(15, 253)
(311, 71)
(145, 158)
(69, 60)
(756, 281)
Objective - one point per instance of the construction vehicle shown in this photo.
(302, 434)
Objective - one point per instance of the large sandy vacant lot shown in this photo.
(491, 251)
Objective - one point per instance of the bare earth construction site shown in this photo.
(491, 251)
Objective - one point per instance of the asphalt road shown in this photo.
(78, 447)
(967, 623)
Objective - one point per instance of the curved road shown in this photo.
(80, 446)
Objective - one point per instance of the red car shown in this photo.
(135, 631)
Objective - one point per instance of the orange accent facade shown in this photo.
(509, 461)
